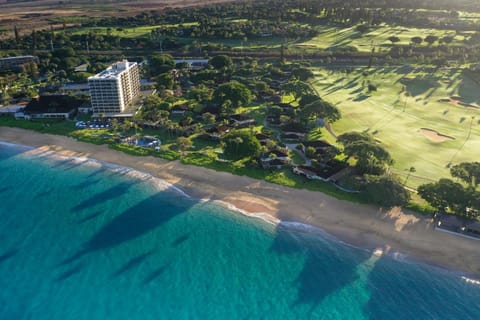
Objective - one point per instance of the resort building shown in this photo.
(49, 106)
(115, 89)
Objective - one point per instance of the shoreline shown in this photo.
(394, 231)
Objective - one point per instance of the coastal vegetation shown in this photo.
(378, 98)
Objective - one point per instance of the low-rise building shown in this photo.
(54, 106)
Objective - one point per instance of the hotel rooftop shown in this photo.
(113, 71)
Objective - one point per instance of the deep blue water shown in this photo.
(88, 241)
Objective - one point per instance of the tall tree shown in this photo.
(296, 88)
(161, 63)
(234, 91)
(241, 144)
(469, 172)
(17, 37)
(385, 190)
(371, 157)
(446, 195)
(321, 109)
(221, 62)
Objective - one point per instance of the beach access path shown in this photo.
(389, 230)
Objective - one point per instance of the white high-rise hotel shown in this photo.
(114, 89)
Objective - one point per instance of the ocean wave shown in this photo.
(268, 218)
(158, 183)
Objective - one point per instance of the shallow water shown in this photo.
(85, 240)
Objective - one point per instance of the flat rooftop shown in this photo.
(113, 71)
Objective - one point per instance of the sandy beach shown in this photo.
(390, 230)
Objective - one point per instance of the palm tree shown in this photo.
(410, 171)
(237, 141)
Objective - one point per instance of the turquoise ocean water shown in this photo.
(85, 240)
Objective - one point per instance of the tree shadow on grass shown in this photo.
(361, 97)
(419, 85)
(317, 279)
(134, 223)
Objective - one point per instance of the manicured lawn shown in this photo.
(333, 38)
(407, 100)
(52, 126)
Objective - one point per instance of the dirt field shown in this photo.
(30, 15)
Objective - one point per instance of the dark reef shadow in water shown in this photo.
(317, 279)
(86, 184)
(43, 193)
(180, 240)
(60, 163)
(155, 274)
(133, 223)
(4, 189)
(112, 193)
(68, 273)
(132, 263)
(90, 217)
(7, 255)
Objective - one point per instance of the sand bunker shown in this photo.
(457, 101)
(434, 136)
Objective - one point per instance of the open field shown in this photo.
(39, 14)
(411, 114)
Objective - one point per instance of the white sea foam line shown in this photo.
(133, 173)
(259, 215)
(471, 281)
(15, 145)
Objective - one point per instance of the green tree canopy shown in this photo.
(296, 88)
(446, 195)
(469, 172)
(416, 40)
(354, 136)
(307, 98)
(371, 157)
(234, 91)
(184, 144)
(302, 74)
(321, 109)
(165, 81)
(240, 144)
(385, 190)
(221, 62)
(394, 39)
(161, 63)
(430, 39)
